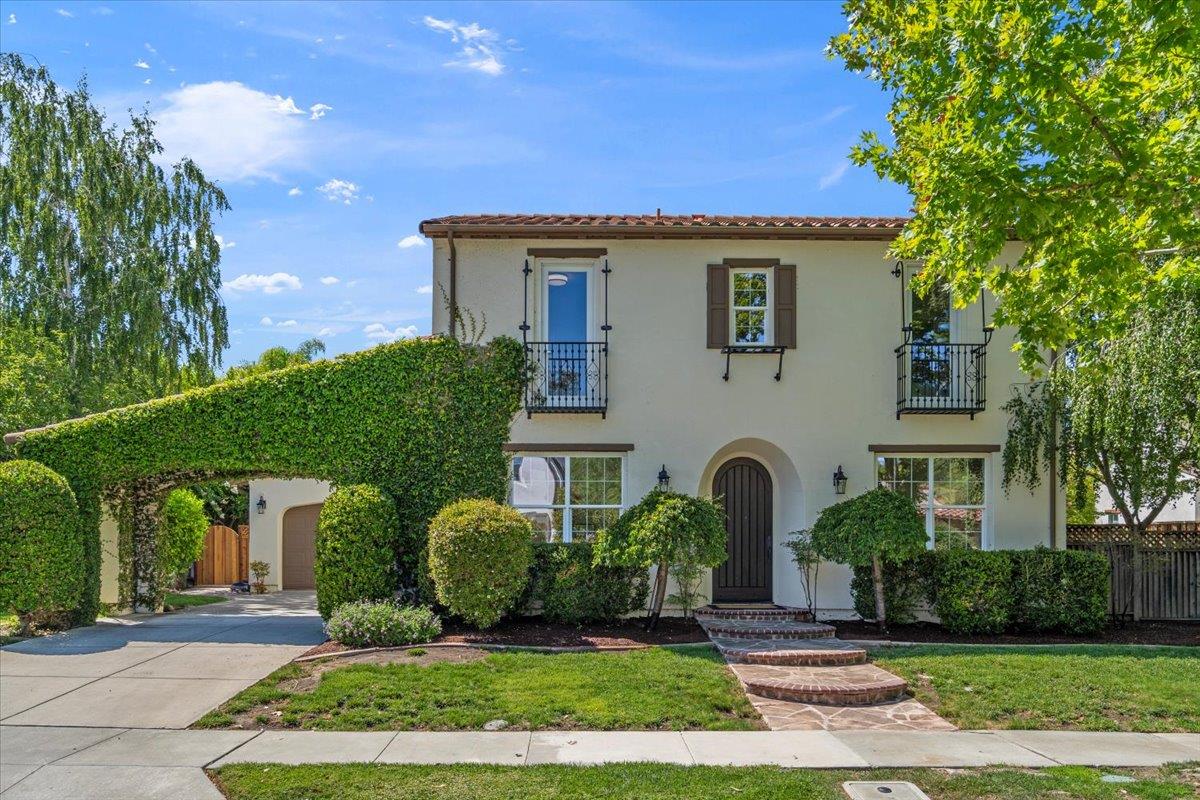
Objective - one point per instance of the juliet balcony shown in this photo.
(566, 378)
(940, 378)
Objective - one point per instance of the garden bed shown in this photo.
(1185, 634)
(535, 632)
(464, 688)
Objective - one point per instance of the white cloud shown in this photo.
(269, 284)
(379, 332)
(266, 322)
(233, 132)
(319, 110)
(12, 19)
(295, 191)
(834, 176)
(329, 280)
(337, 189)
(224, 245)
(62, 12)
(327, 331)
(103, 11)
(288, 323)
(412, 240)
(140, 64)
(480, 49)
(426, 289)
(147, 82)
(150, 49)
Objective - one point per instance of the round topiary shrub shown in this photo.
(382, 623)
(180, 534)
(358, 535)
(42, 551)
(479, 558)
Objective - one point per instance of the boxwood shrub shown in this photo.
(972, 590)
(904, 589)
(358, 538)
(41, 544)
(423, 419)
(479, 558)
(371, 623)
(574, 591)
(1060, 590)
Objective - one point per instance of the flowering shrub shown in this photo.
(382, 623)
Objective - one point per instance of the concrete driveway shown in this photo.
(154, 671)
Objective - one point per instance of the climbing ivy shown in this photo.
(422, 419)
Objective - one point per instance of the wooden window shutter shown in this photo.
(785, 305)
(718, 305)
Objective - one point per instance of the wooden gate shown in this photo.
(226, 557)
(744, 486)
(1170, 567)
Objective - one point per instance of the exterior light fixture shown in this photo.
(261, 505)
(664, 478)
(839, 481)
(556, 279)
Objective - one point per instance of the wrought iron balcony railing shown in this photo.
(940, 378)
(566, 377)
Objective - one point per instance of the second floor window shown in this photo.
(750, 320)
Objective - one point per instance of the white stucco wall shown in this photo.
(1184, 509)
(836, 396)
(266, 529)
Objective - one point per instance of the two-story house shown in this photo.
(774, 362)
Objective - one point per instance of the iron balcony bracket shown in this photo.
(753, 349)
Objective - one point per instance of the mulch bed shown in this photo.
(532, 631)
(1164, 633)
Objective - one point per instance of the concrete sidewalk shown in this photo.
(56, 762)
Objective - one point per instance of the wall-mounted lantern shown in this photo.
(664, 478)
(839, 481)
(261, 505)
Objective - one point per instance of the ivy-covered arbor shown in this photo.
(422, 419)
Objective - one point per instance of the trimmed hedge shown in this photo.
(990, 591)
(574, 591)
(904, 589)
(41, 546)
(370, 623)
(358, 539)
(181, 533)
(422, 419)
(479, 558)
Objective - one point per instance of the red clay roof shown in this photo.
(665, 225)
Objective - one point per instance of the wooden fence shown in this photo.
(226, 557)
(1170, 568)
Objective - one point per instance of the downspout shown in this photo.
(453, 284)
(1053, 482)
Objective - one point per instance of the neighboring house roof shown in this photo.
(662, 226)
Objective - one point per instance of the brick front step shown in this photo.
(766, 629)
(791, 652)
(753, 613)
(855, 685)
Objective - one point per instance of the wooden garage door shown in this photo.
(299, 546)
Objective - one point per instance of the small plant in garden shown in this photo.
(808, 562)
(574, 590)
(41, 545)
(874, 528)
(358, 538)
(260, 570)
(369, 623)
(479, 558)
(664, 528)
(687, 595)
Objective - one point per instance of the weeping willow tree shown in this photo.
(1123, 413)
(103, 251)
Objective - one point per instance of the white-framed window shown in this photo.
(951, 491)
(750, 305)
(567, 497)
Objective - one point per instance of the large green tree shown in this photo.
(101, 248)
(1071, 125)
(274, 358)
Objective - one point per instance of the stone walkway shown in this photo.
(51, 763)
(801, 678)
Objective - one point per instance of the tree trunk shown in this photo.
(877, 579)
(1138, 570)
(148, 591)
(660, 593)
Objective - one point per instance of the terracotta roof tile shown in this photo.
(655, 224)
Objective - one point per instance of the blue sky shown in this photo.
(335, 128)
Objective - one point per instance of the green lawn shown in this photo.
(8, 624)
(669, 689)
(174, 601)
(660, 782)
(1092, 688)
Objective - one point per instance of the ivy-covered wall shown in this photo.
(423, 419)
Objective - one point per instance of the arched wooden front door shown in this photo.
(299, 547)
(744, 486)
